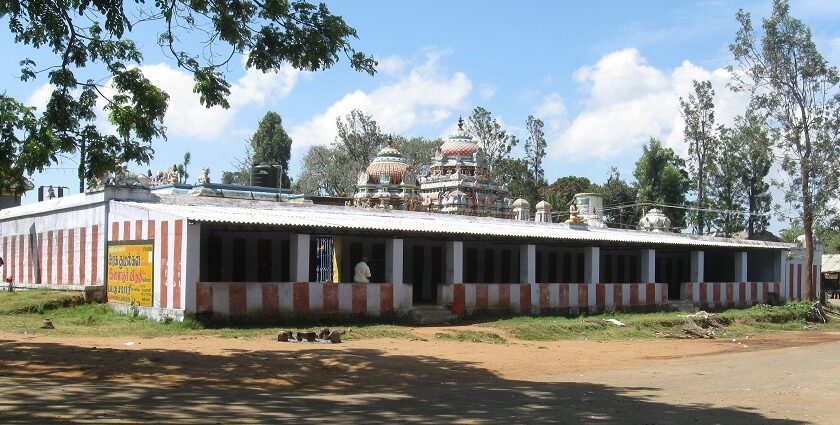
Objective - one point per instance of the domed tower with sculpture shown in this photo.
(458, 181)
(389, 182)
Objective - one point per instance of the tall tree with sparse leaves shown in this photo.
(94, 61)
(535, 147)
(360, 138)
(790, 80)
(698, 112)
(493, 140)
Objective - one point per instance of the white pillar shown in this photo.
(454, 262)
(592, 265)
(192, 266)
(779, 263)
(527, 263)
(394, 250)
(648, 266)
(299, 247)
(697, 266)
(740, 266)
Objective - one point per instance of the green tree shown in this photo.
(493, 140)
(269, 144)
(560, 193)
(790, 80)
(91, 47)
(417, 150)
(516, 173)
(535, 147)
(183, 173)
(359, 137)
(326, 171)
(618, 193)
(661, 179)
(756, 160)
(727, 190)
(698, 112)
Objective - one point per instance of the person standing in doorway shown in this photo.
(362, 272)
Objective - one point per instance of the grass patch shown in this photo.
(95, 320)
(472, 336)
(737, 322)
(36, 300)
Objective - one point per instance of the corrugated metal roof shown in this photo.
(830, 263)
(375, 220)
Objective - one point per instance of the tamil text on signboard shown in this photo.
(130, 272)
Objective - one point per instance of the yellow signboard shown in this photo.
(131, 272)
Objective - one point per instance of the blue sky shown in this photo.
(604, 76)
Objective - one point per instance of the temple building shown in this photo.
(389, 182)
(458, 181)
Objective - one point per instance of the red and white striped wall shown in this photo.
(58, 258)
(721, 294)
(170, 244)
(796, 280)
(297, 298)
(543, 297)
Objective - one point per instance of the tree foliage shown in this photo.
(535, 147)
(661, 179)
(269, 144)
(517, 174)
(790, 80)
(493, 140)
(332, 170)
(617, 192)
(698, 112)
(756, 158)
(560, 193)
(726, 189)
(94, 62)
(360, 138)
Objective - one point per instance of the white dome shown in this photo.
(521, 203)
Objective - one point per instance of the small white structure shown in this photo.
(590, 208)
(543, 212)
(655, 221)
(521, 210)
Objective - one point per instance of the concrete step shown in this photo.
(430, 315)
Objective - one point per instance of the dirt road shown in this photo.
(775, 378)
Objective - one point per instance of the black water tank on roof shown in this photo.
(264, 175)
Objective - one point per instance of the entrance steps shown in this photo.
(430, 315)
(683, 306)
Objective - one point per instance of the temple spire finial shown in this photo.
(461, 123)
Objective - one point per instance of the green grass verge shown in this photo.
(471, 336)
(25, 311)
(36, 300)
(737, 322)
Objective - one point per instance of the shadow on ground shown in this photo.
(52, 382)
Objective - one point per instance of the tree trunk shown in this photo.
(808, 227)
(700, 195)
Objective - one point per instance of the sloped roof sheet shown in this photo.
(321, 217)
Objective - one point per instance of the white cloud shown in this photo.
(552, 111)
(40, 97)
(628, 101)
(425, 95)
(487, 91)
(391, 65)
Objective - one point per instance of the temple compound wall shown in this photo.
(171, 255)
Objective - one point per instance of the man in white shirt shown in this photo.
(362, 272)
